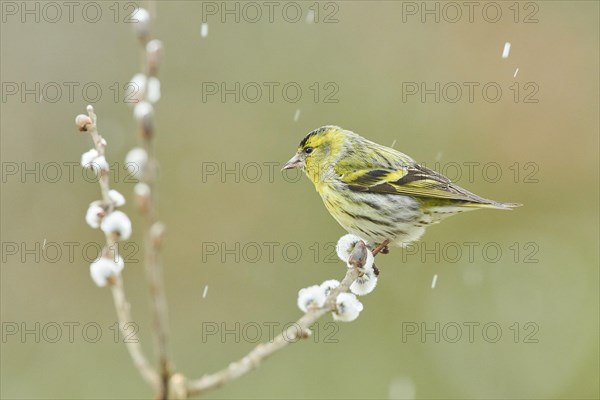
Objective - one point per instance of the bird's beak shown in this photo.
(295, 162)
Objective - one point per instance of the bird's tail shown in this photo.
(494, 205)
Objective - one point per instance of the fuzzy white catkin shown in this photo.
(92, 159)
(82, 120)
(104, 268)
(344, 248)
(312, 296)
(141, 189)
(88, 157)
(116, 197)
(100, 163)
(329, 285)
(94, 215)
(348, 307)
(135, 161)
(153, 94)
(364, 284)
(139, 83)
(142, 110)
(345, 245)
(117, 222)
(154, 46)
(141, 22)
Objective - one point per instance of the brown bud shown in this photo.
(157, 232)
(358, 257)
(142, 196)
(112, 280)
(305, 333)
(154, 50)
(83, 121)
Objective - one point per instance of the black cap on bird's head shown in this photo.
(308, 144)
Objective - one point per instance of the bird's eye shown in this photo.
(308, 150)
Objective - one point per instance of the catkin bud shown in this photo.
(141, 25)
(347, 307)
(142, 196)
(104, 270)
(364, 284)
(154, 54)
(311, 297)
(117, 198)
(135, 162)
(83, 121)
(157, 232)
(117, 223)
(144, 114)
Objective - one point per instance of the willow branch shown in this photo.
(100, 146)
(131, 340)
(154, 274)
(153, 230)
(299, 330)
(110, 251)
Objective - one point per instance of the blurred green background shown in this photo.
(368, 54)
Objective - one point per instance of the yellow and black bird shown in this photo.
(376, 192)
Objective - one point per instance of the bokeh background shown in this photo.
(368, 53)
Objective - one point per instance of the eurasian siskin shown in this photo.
(376, 192)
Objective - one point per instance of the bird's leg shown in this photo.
(382, 248)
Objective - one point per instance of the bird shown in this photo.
(378, 193)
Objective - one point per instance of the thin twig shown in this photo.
(154, 275)
(381, 247)
(153, 231)
(99, 145)
(301, 329)
(131, 339)
(110, 251)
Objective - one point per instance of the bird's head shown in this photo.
(318, 151)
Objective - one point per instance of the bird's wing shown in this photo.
(411, 180)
